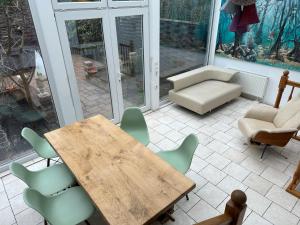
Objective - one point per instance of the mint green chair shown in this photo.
(68, 208)
(48, 181)
(133, 122)
(40, 145)
(181, 158)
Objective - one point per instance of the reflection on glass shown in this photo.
(131, 56)
(89, 61)
(25, 96)
(183, 38)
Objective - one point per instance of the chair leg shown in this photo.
(87, 222)
(187, 197)
(45, 222)
(48, 162)
(264, 150)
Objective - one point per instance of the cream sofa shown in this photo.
(204, 89)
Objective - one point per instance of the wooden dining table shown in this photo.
(127, 182)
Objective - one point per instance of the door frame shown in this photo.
(61, 17)
(113, 14)
(57, 6)
(132, 3)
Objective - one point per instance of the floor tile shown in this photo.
(296, 209)
(181, 218)
(167, 145)
(29, 216)
(199, 180)
(253, 165)
(279, 216)
(257, 202)
(208, 130)
(174, 135)
(15, 188)
(188, 130)
(204, 139)
(218, 161)
(219, 126)
(254, 219)
(276, 177)
(212, 195)
(186, 205)
(234, 155)
(212, 174)
(222, 137)
(202, 211)
(229, 184)
(282, 198)
(203, 152)
(176, 125)
(218, 146)
(258, 183)
(17, 204)
(3, 200)
(198, 164)
(162, 129)
(236, 171)
(7, 216)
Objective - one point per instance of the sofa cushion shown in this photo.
(206, 95)
(249, 127)
(289, 115)
(202, 74)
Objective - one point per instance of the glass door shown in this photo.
(86, 43)
(106, 54)
(130, 45)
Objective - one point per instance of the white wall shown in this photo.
(273, 73)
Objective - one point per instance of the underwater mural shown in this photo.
(271, 38)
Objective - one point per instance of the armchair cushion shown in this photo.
(196, 76)
(250, 127)
(262, 112)
(289, 115)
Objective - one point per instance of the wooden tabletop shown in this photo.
(128, 183)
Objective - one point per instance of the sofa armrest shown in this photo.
(196, 76)
(262, 112)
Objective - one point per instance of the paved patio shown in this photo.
(222, 163)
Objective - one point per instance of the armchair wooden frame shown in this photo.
(284, 82)
(234, 211)
(292, 188)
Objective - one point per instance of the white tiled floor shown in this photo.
(222, 163)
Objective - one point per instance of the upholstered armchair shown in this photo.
(270, 126)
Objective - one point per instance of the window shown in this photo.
(184, 27)
(25, 96)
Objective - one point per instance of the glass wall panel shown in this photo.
(131, 56)
(184, 27)
(89, 62)
(25, 96)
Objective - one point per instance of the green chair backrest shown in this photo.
(21, 172)
(36, 201)
(133, 118)
(188, 148)
(32, 137)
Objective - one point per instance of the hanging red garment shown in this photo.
(243, 2)
(235, 24)
(249, 15)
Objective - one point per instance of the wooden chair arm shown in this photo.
(218, 220)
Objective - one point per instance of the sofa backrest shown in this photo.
(289, 115)
(196, 76)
